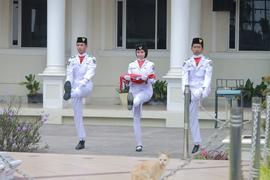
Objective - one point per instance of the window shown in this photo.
(253, 18)
(29, 23)
(142, 21)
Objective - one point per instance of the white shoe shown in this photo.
(15, 163)
(2, 166)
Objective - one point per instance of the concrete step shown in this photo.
(152, 115)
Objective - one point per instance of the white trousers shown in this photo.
(139, 99)
(194, 121)
(77, 95)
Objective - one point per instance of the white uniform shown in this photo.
(198, 77)
(80, 75)
(141, 93)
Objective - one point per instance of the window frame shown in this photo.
(19, 30)
(124, 18)
(19, 33)
(237, 32)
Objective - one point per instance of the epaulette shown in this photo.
(209, 61)
(94, 60)
(185, 61)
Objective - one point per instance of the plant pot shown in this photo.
(35, 98)
(155, 102)
(123, 99)
(246, 102)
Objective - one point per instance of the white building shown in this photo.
(38, 36)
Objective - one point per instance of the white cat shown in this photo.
(150, 170)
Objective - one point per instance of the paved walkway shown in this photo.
(91, 167)
(116, 140)
(110, 154)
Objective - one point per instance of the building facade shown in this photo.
(38, 36)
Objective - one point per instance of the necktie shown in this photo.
(140, 63)
(197, 60)
(81, 59)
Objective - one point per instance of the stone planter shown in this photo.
(123, 99)
(35, 98)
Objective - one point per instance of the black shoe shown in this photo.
(67, 88)
(139, 148)
(130, 101)
(195, 148)
(80, 145)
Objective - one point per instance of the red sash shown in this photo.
(135, 78)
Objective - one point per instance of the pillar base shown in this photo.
(175, 96)
(53, 90)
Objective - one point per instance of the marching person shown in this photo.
(141, 76)
(197, 73)
(80, 71)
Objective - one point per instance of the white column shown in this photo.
(214, 31)
(1, 25)
(195, 20)
(79, 21)
(103, 24)
(179, 50)
(54, 74)
(55, 37)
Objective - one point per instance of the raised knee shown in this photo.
(136, 102)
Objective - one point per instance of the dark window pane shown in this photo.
(140, 23)
(232, 26)
(222, 5)
(34, 23)
(119, 23)
(162, 24)
(254, 33)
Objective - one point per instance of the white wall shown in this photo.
(15, 64)
(4, 23)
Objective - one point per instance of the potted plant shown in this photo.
(123, 93)
(248, 92)
(159, 92)
(33, 86)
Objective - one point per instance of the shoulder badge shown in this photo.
(184, 63)
(94, 60)
(153, 67)
(68, 62)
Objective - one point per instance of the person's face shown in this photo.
(140, 54)
(197, 49)
(81, 47)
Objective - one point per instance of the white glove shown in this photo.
(82, 82)
(205, 93)
(197, 94)
(144, 78)
(127, 77)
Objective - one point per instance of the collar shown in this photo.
(80, 55)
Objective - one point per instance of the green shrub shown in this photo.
(264, 173)
(160, 91)
(31, 84)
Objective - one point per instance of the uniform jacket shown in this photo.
(147, 68)
(197, 76)
(77, 71)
